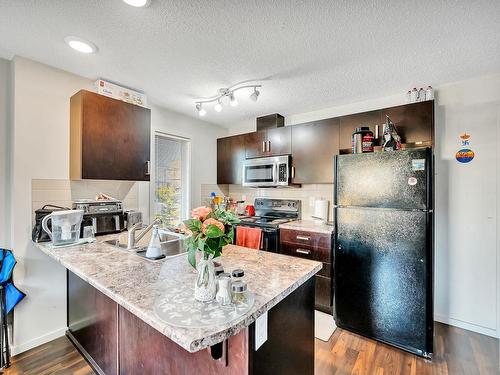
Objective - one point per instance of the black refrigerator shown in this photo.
(383, 251)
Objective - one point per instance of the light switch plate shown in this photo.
(260, 330)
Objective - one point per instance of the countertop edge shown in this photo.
(198, 344)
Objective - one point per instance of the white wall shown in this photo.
(467, 259)
(203, 139)
(4, 151)
(41, 151)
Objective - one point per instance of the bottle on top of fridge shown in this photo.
(414, 95)
(408, 96)
(421, 95)
(362, 140)
(429, 93)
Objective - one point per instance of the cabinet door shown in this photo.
(279, 141)
(92, 323)
(314, 145)
(230, 157)
(323, 295)
(255, 144)
(348, 125)
(414, 122)
(115, 139)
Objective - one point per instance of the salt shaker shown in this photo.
(224, 296)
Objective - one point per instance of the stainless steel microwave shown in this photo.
(267, 172)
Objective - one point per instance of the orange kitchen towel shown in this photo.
(248, 237)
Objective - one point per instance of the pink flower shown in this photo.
(208, 222)
(200, 213)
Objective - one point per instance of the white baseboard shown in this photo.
(18, 349)
(468, 326)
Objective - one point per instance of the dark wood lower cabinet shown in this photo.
(93, 325)
(315, 246)
(323, 294)
(144, 350)
(114, 341)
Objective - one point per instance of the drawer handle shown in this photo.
(303, 238)
(303, 251)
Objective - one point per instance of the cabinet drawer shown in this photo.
(303, 238)
(308, 252)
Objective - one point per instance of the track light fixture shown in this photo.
(218, 106)
(232, 100)
(255, 94)
(201, 111)
(229, 93)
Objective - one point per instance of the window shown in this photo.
(171, 179)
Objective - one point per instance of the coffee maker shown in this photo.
(104, 216)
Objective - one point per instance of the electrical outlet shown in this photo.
(260, 330)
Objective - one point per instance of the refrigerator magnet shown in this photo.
(418, 164)
(464, 155)
(412, 181)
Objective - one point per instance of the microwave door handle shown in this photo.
(275, 173)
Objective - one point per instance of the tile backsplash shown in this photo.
(307, 194)
(64, 192)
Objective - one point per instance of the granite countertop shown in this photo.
(309, 226)
(136, 283)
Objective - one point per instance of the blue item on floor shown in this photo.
(10, 296)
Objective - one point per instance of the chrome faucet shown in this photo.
(133, 239)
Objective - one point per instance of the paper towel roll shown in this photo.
(321, 209)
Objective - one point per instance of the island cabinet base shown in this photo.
(115, 341)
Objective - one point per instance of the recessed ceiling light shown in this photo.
(80, 45)
(137, 3)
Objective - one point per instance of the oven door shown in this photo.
(259, 174)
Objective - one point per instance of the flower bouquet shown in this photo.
(211, 231)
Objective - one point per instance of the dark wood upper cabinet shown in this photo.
(109, 139)
(314, 145)
(414, 122)
(268, 142)
(255, 144)
(230, 157)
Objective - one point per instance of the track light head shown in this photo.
(218, 106)
(232, 99)
(201, 111)
(255, 94)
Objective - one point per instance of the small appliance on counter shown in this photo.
(38, 234)
(321, 210)
(104, 216)
(269, 214)
(132, 217)
(66, 225)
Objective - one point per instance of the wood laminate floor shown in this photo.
(457, 352)
(58, 357)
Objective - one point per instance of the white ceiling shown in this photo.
(314, 54)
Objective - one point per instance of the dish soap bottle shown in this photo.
(154, 247)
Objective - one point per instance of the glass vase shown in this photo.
(205, 287)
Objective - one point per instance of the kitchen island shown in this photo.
(112, 320)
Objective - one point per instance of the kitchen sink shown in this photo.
(172, 244)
